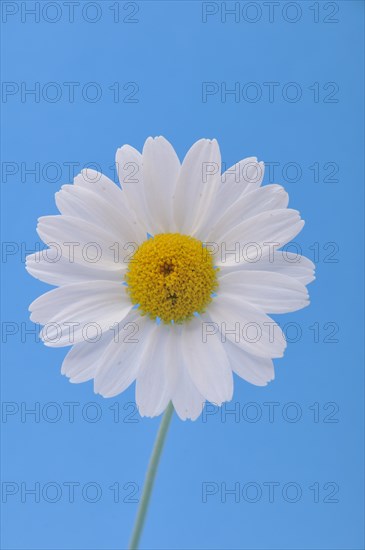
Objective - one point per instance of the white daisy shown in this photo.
(168, 280)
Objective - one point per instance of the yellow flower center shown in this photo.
(171, 277)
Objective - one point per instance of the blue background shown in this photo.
(168, 53)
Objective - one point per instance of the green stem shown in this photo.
(150, 477)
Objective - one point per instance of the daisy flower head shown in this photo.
(168, 279)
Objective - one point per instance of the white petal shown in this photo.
(121, 359)
(268, 291)
(83, 360)
(161, 168)
(187, 400)
(153, 389)
(85, 243)
(102, 303)
(104, 187)
(129, 165)
(51, 267)
(242, 178)
(287, 263)
(257, 236)
(197, 184)
(270, 197)
(80, 202)
(246, 326)
(207, 363)
(255, 370)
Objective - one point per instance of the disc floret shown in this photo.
(171, 277)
